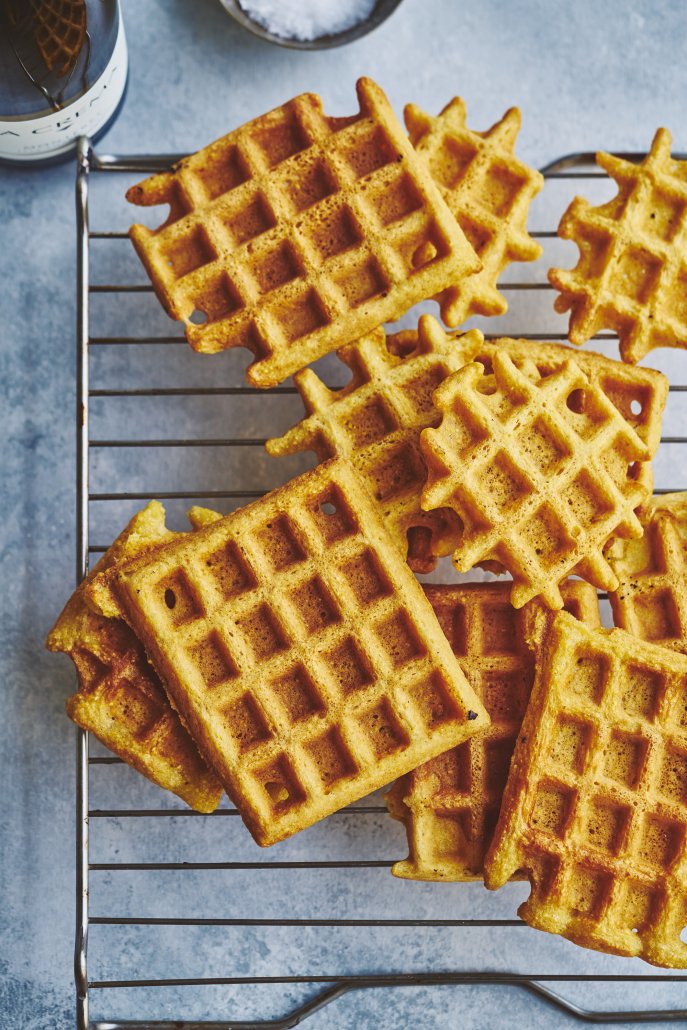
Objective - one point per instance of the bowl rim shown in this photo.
(382, 10)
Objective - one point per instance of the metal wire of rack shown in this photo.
(113, 887)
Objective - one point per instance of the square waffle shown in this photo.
(298, 232)
(595, 807)
(651, 598)
(450, 804)
(539, 470)
(631, 275)
(120, 698)
(488, 190)
(375, 422)
(300, 650)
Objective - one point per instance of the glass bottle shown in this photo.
(63, 72)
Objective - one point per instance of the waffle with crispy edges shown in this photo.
(298, 233)
(631, 275)
(120, 698)
(450, 805)
(300, 650)
(595, 807)
(488, 190)
(375, 422)
(651, 598)
(638, 393)
(539, 470)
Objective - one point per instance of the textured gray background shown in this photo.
(601, 74)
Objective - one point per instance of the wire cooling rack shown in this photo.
(188, 923)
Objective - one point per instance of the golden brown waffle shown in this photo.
(298, 233)
(639, 394)
(120, 698)
(630, 276)
(651, 598)
(60, 31)
(539, 470)
(375, 422)
(450, 804)
(595, 804)
(488, 190)
(376, 418)
(300, 650)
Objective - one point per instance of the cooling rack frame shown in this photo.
(326, 989)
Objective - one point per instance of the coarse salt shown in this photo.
(307, 19)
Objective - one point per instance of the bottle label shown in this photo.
(54, 134)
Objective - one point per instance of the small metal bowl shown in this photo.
(380, 12)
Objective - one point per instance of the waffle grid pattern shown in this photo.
(120, 698)
(488, 190)
(298, 233)
(122, 702)
(631, 276)
(595, 802)
(60, 31)
(651, 599)
(375, 422)
(301, 652)
(450, 804)
(639, 394)
(540, 471)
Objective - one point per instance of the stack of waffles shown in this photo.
(287, 653)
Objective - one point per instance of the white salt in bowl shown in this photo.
(379, 14)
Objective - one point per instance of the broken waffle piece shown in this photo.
(120, 699)
(450, 805)
(540, 470)
(375, 422)
(300, 650)
(298, 233)
(651, 598)
(631, 275)
(488, 190)
(595, 807)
